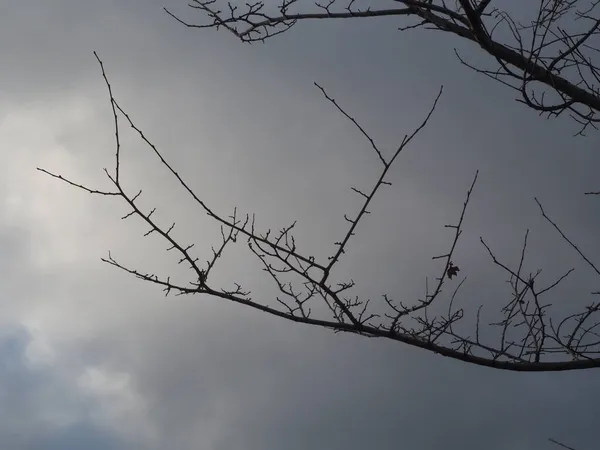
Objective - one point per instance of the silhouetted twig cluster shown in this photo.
(548, 59)
(529, 340)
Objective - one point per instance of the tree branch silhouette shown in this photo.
(528, 338)
(548, 61)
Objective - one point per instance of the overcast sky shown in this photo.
(93, 358)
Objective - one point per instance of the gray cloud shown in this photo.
(124, 368)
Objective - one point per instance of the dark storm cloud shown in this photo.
(28, 392)
(247, 127)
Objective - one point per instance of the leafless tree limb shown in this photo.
(560, 444)
(549, 56)
(528, 339)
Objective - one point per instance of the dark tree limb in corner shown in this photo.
(549, 60)
(560, 444)
(527, 338)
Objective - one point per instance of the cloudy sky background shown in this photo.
(92, 358)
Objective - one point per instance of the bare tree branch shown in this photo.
(550, 56)
(528, 338)
(560, 444)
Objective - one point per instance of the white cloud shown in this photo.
(116, 403)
